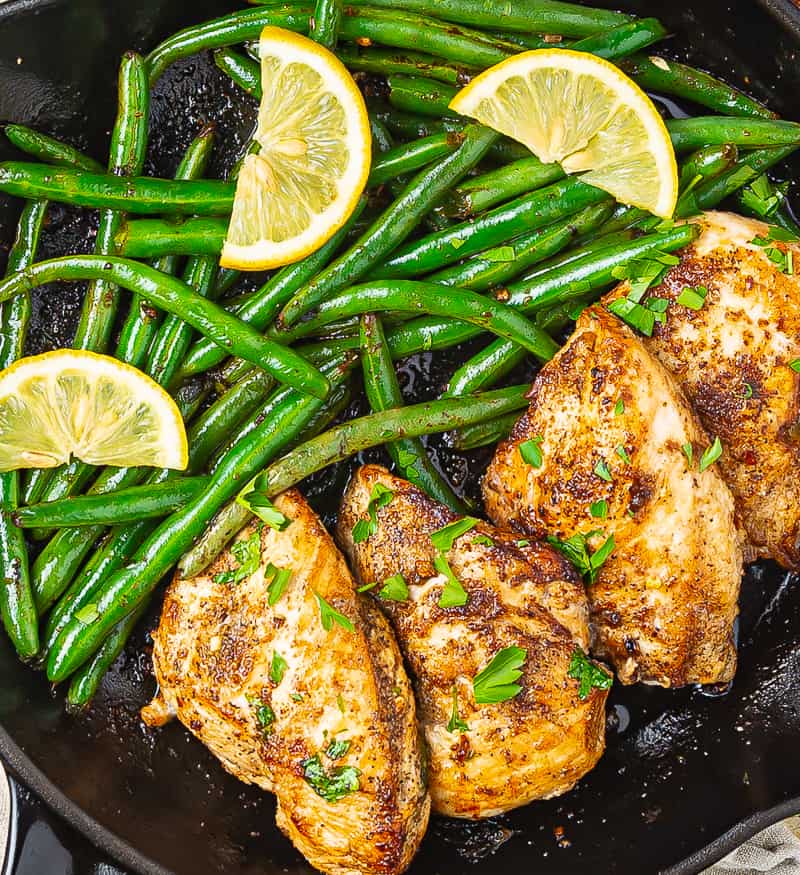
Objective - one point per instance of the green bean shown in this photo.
(142, 322)
(678, 80)
(385, 62)
(383, 393)
(711, 130)
(267, 302)
(622, 40)
(142, 195)
(482, 192)
(706, 163)
(226, 280)
(381, 138)
(49, 150)
(125, 590)
(413, 156)
(59, 561)
(485, 369)
(176, 297)
(66, 480)
(407, 296)
(324, 26)
(17, 605)
(533, 40)
(393, 226)
(113, 551)
(416, 95)
(543, 16)
(524, 214)
(244, 72)
(84, 684)
(496, 266)
(125, 505)
(155, 238)
(712, 192)
(126, 158)
(482, 434)
(397, 29)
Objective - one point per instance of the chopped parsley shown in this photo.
(748, 389)
(296, 697)
(394, 589)
(601, 470)
(247, 553)
(711, 455)
(265, 716)
(599, 509)
(642, 274)
(257, 501)
(365, 529)
(367, 586)
(443, 539)
(500, 253)
(688, 451)
(277, 668)
(456, 724)
(337, 750)
(531, 451)
(795, 366)
(453, 595)
(623, 454)
(576, 549)
(762, 197)
(328, 615)
(588, 675)
(407, 461)
(784, 261)
(497, 682)
(87, 614)
(278, 582)
(485, 540)
(334, 785)
(619, 407)
(693, 297)
(340, 702)
(523, 542)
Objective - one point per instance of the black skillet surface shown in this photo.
(687, 774)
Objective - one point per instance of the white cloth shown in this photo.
(775, 850)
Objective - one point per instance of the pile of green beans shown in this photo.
(461, 234)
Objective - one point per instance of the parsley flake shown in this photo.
(484, 540)
(334, 785)
(337, 750)
(247, 553)
(394, 589)
(692, 297)
(340, 703)
(795, 366)
(365, 529)
(328, 615)
(711, 455)
(523, 542)
(576, 549)
(601, 470)
(688, 451)
(623, 454)
(619, 407)
(453, 595)
(443, 539)
(456, 724)
(531, 451)
(257, 501)
(599, 509)
(761, 197)
(265, 716)
(748, 389)
(588, 675)
(278, 582)
(87, 614)
(367, 586)
(497, 682)
(277, 668)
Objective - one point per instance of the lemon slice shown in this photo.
(313, 156)
(581, 111)
(76, 403)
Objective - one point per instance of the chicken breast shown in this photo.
(612, 450)
(296, 684)
(733, 358)
(485, 757)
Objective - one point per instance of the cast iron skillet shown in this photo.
(687, 775)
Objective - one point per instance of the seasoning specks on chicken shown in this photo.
(324, 718)
(664, 601)
(535, 736)
(733, 358)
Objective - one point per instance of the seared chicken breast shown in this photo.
(733, 356)
(296, 684)
(494, 597)
(610, 448)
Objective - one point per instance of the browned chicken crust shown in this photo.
(732, 358)
(664, 603)
(213, 657)
(533, 746)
